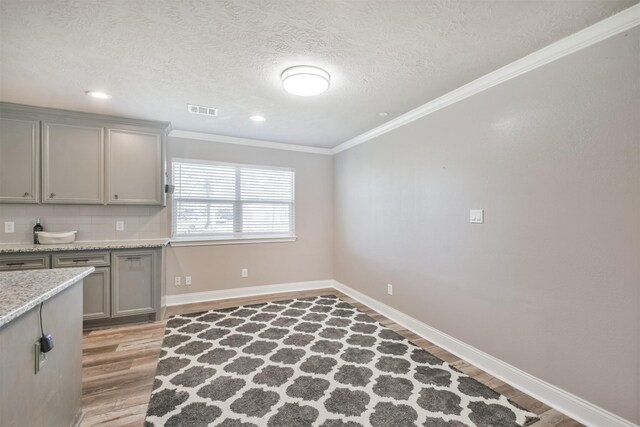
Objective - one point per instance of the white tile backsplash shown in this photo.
(91, 222)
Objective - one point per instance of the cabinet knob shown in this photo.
(52, 195)
(115, 196)
(26, 194)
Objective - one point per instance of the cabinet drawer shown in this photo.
(24, 262)
(80, 259)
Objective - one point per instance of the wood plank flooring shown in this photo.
(119, 366)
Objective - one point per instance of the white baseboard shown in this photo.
(561, 400)
(251, 291)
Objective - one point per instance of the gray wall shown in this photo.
(309, 258)
(551, 282)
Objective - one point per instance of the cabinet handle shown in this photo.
(52, 195)
(26, 194)
(15, 263)
(133, 258)
(115, 196)
(80, 260)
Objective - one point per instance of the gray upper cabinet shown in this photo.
(134, 160)
(56, 156)
(19, 160)
(72, 164)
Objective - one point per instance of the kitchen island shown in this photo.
(41, 389)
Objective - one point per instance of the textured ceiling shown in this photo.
(155, 56)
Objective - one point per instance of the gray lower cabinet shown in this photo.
(24, 262)
(96, 297)
(134, 289)
(82, 259)
(125, 283)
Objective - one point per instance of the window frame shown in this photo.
(235, 236)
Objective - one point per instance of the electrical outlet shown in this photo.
(245, 272)
(390, 289)
(476, 216)
(187, 280)
(9, 226)
(41, 358)
(119, 225)
(178, 281)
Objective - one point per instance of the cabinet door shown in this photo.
(95, 297)
(134, 283)
(72, 164)
(134, 167)
(19, 160)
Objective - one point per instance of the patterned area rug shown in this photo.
(315, 361)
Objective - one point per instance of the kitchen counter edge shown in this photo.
(18, 248)
(20, 291)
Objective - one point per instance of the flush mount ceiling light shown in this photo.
(257, 118)
(98, 94)
(305, 80)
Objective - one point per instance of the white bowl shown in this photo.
(55, 238)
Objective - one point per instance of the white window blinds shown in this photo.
(226, 201)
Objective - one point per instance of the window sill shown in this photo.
(230, 241)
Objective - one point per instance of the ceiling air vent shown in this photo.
(200, 109)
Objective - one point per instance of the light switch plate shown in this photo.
(119, 225)
(9, 226)
(476, 216)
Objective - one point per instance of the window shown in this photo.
(230, 201)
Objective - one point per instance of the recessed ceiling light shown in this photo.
(305, 80)
(257, 118)
(383, 114)
(98, 95)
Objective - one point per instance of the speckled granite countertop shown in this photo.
(20, 291)
(83, 246)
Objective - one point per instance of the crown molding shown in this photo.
(597, 32)
(186, 134)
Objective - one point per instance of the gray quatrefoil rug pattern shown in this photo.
(314, 361)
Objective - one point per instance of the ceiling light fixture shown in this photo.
(305, 80)
(257, 118)
(98, 95)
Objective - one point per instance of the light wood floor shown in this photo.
(119, 366)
